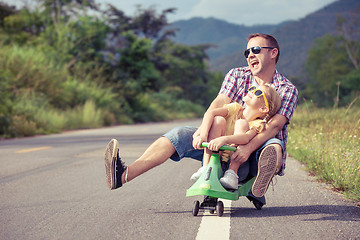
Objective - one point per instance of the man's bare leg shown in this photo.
(157, 153)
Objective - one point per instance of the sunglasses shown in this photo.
(258, 93)
(255, 50)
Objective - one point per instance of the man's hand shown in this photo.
(197, 140)
(241, 154)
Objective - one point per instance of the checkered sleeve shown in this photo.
(235, 82)
(228, 86)
(289, 97)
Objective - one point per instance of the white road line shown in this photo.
(214, 227)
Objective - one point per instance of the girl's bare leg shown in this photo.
(217, 129)
(235, 165)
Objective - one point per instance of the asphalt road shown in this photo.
(53, 187)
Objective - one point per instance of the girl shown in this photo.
(234, 124)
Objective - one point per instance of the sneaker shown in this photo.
(114, 167)
(196, 175)
(230, 180)
(266, 171)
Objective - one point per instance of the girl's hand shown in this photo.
(216, 143)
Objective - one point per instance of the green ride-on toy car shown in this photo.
(209, 185)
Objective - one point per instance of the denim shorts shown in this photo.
(182, 138)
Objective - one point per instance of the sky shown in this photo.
(245, 12)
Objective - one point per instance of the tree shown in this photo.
(348, 27)
(63, 10)
(148, 23)
(148, 74)
(5, 11)
(188, 70)
(328, 65)
(333, 64)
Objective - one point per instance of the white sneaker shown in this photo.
(230, 180)
(196, 175)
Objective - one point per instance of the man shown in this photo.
(263, 157)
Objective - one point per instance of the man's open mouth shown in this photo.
(254, 64)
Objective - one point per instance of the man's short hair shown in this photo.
(271, 41)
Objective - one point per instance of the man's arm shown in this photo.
(219, 101)
(243, 152)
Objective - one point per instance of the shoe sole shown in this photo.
(111, 153)
(266, 171)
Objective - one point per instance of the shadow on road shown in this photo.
(313, 212)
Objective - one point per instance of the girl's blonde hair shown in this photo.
(274, 102)
(273, 99)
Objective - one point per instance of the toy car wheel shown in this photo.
(196, 208)
(212, 211)
(220, 208)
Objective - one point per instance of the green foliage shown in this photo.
(149, 23)
(350, 87)
(85, 116)
(160, 107)
(135, 64)
(333, 64)
(63, 69)
(21, 27)
(30, 70)
(37, 94)
(326, 63)
(75, 92)
(186, 69)
(5, 104)
(5, 11)
(328, 141)
(333, 79)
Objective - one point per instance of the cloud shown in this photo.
(256, 11)
(235, 11)
(129, 7)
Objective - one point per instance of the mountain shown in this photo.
(295, 37)
(226, 36)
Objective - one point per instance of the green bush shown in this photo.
(163, 106)
(41, 97)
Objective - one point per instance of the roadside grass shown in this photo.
(39, 95)
(328, 142)
(45, 120)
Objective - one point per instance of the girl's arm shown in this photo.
(242, 135)
(272, 128)
(209, 118)
(218, 102)
(241, 138)
(206, 125)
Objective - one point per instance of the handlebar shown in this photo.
(225, 147)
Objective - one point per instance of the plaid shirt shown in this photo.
(237, 82)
